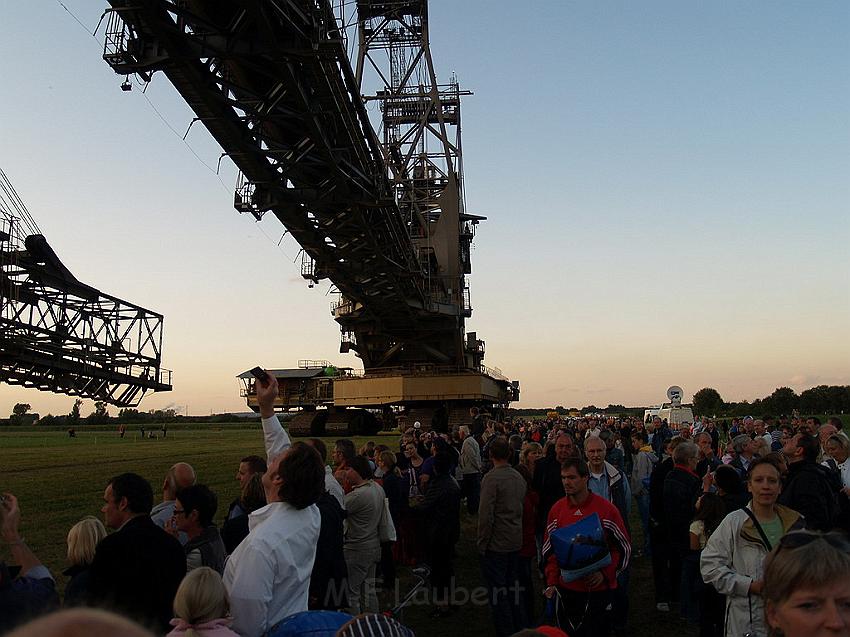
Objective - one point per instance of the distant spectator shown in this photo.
(528, 550)
(809, 489)
(547, 478)
(179, 476)
(644, 460)
(137, 569)
(528, 456)
(610, 483)
(33, 590)
(838, 451)
(364, 504)
(666, 589)
(708, 460)
(730, 488)
(613, 455)
(500, 538)
(395, 490)
(82, 542)
(193, 515)
(760, 447)
(332, 485)
(708, 605)
(329, 578)
(743, 446)
(824, 432)
(344, 453)
(201, 606)
(470, 469)
(235, 529)
(661, 434)
(440, 510)
(248, 467)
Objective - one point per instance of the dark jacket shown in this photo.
(680, 493)
(396, 490)
(327, 582)
(77, 588)
(809, 492)
(547, 483)
(213, 552)
(735, 501)
(657, 508)
(136, 572)
(24, 597)
(233, 531)
(707, 465)
(441, 510)
(660, 438)
(739, 465)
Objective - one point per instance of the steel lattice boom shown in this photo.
(58, 334)
(383, 220)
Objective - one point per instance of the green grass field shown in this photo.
(58, 480)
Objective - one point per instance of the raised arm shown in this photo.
(30, 565)
(274, 435)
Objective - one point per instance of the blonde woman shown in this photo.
(807, 585)
(201, 606)
(82, 541)
(529, 454)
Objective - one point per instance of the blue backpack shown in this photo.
(580, 548)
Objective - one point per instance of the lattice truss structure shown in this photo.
(274, 85)
(58, 334)
(421, 125)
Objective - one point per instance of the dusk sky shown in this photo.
(667, 186)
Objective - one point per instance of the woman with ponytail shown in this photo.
(201, 606)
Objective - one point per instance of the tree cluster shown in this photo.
(823, 399)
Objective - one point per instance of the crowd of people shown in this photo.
(743, 526)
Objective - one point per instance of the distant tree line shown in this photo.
(823, 399)
(100, 416)
(610, 410)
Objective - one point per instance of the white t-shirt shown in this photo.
(698, 528)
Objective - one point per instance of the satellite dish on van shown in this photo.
(675, 394)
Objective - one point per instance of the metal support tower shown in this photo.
(421, 124)
(58, 334)
(273, 84)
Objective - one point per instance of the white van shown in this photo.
(675, 415)
(673, 412)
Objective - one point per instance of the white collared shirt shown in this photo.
(268, 575)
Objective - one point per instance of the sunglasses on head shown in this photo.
(797, 539)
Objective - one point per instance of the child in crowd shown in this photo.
(704, 604)
(201, 606)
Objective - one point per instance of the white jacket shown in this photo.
(732, 559)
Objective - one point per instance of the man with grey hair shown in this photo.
(469, 464)
(179, 476)
(708, 461)
(824, 432)
(682, 487)
(743, 446)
